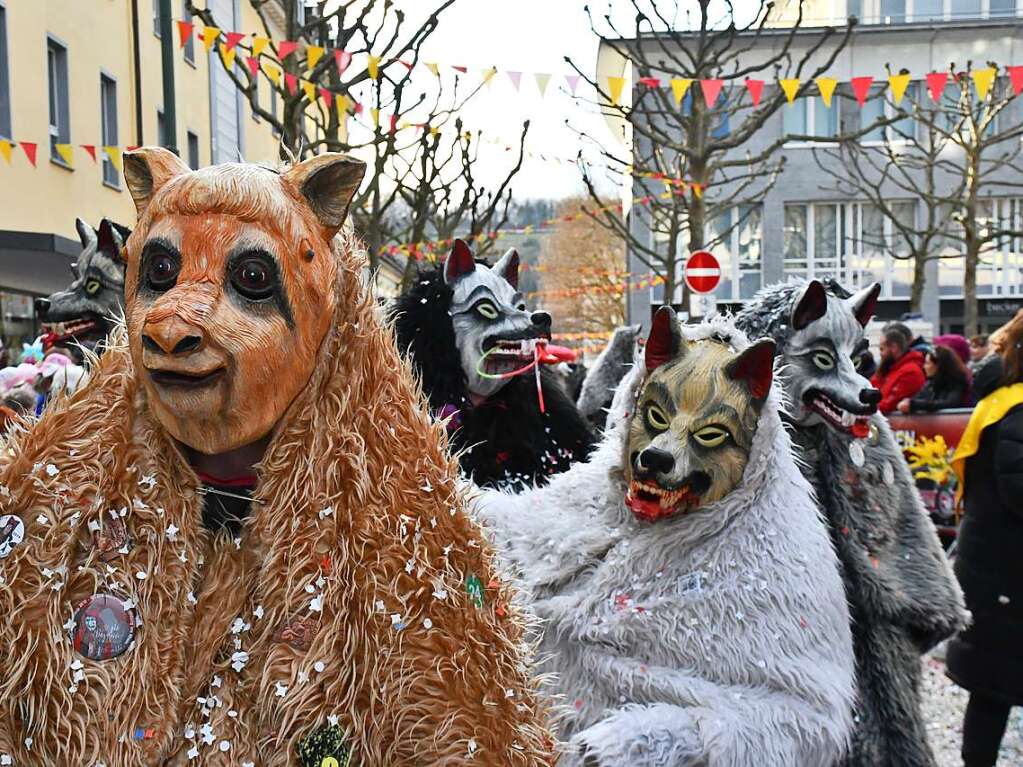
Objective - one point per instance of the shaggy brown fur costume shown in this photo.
(443, 683)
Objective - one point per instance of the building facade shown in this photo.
(803, 226)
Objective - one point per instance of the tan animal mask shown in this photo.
(690, 435)
(229, 288)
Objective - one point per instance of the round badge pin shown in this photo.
(104, 627)
(12, 532)
(856, 454)
(888, 474)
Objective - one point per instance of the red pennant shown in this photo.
(358, 107)
(755, 88)
(253, 63)
(861, 88)
(233, 38)
(1016, 77)
(292, 82)
(650, 82)
(327, 96)
(394, 123)
(285, 48)
(936, 82)
(91, 149)
(711, 90)
(130, 148)
(30, 150)
(406, 64)
(463, 70)
(343, 59)
(185, 29)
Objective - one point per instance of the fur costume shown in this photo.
(345, 619)
(903, 598)
(717, 636)
(502, 439)
(610, 367)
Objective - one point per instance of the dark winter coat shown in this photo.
(988, 656)
(987, 376)
(902, 597)
(937, 395)
(504, 442)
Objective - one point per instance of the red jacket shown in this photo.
(903, 380)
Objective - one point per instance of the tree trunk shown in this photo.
(916, 293)
(970, 309)
(972, 241)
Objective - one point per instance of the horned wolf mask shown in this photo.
(692, 430)
(494, 332)
(819, 330)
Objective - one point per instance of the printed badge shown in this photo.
(112, 538)
(325, 747)
(104, 628)
(12, 532)
(298, 632)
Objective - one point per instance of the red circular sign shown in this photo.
(702, 272)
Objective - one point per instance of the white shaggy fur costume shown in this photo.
(720, 637)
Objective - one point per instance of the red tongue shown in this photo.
(861, 429)
(551, 354)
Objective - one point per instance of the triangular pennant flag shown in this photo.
(259, 45)
(342, 59)
(650, 82)
(274, 73)
(394, 123)
(310, 91)
(342, 103)
(114, 153)
(516, 78)
(5, 150)
(375, 114)
(64, 150)
(227, 56)
(542, 80)
(936, 82)
(209, 37)
(253, 63)
(459, 68)
(983, 79)
(232, 39)
(433, 67)
(679, 86)
(791, 87)
(327, 96)
(285, 48)
(1016, 78)
(90, 149)
(573, 82)
(291, 82)
(898, 84)
(711, 90)
(313, 54)
(755, 88)
(358, 108)
(861, 88)
(615, 86)
(185, 29)
(488, 75)
(373, 67)
(30, 147)
(406, 64)
(826, 86)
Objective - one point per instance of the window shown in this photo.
(190, 42)
(5, 79)
(814, 240)
(227, 113)
(193, 151)
(719, 127)
(960, 9)
(156, 17)
(299, 11)
(736, 242)
(872, 110)
(1002, 8)
(893, 11)
(108, 126)
(929, 10)
(808, 116)
(60, 121)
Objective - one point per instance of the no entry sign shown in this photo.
(703, 272)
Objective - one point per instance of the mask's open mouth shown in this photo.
(836, 416)
(505, 356)
(186, 380)
(651, 502)
(85, 327)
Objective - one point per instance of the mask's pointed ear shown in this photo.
(460, 263)
(328, 182)
(665, 340)
(85, 233)
(811, 306)
(109, 238)
(147, 169)
(754, 367)
(864, 304)
(508, 267)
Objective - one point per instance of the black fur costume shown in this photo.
(505, 442)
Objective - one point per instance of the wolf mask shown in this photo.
(493, 330)
(96, 296)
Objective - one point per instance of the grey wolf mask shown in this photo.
(489, 317)
(96, 296)
(819, 331)
(607, 371)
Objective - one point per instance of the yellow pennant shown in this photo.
(373, 67)
(64, 150)
(432, 66)
(375, 113)
(5, 150)
(209, 37)
(274, 73)
(434, 130)
(791, 87)
(898, 84)
(343, 102)
(826, 86)
(542, 80)
(259, 45)
(228, 56)
(615, 85)
(488, 75)
(114, 153)
(310, 91)
(983, 79)
(679, 86)
(313, 54)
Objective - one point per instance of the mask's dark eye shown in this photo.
(254, 277)
(161, 271)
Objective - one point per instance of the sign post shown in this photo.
(703, 275)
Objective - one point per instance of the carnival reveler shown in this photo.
(240, 543)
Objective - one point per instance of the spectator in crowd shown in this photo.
(901, 372)
(948, 383)
(986, 658)
(980, 347)
(916, 343)
(956, 343)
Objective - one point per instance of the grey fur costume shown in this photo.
(719, 637)
(902, 595)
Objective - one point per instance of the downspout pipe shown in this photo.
(170, 112)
